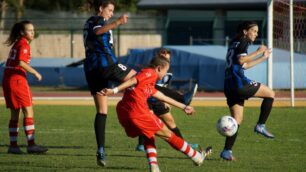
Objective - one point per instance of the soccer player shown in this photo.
(102, 66)
(137, 119)
(161, 109)
(238, 88)
(17, 93)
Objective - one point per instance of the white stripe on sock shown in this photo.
(152, 159)
(29, 127)
(184, 147)
(151, 150)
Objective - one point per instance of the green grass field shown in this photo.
(68, 133)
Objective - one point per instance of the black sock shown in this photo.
(171, 93)
(100, 123)
(265, 110)
(141, 140)
(229, 141)
(177, 132)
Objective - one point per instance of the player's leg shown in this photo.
(237, 112)
(100, 125)
(150, 149)
(97, 82)
(13, 131)
(268, 97)
(183, 98)
(140, 145)
(29, 129)
(181, 145)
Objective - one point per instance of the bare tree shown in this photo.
(3, 7)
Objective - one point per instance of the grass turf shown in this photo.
(68, 133)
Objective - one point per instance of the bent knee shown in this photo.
(272, 94)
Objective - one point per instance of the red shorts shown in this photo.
(17, 93)
(137, 125)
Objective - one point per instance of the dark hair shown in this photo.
(163, 51)
(158, 61)
(95, 4)
(16, 32)
(246, 25)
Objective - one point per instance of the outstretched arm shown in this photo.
(187, 109)
(121, 20)
(124, 85)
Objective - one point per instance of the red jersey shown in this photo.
(19, 52)
(135, 98)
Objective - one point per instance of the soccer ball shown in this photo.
(227, 126)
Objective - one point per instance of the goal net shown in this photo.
(281, 25)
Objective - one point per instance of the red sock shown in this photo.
(181, 145)
(13, 132)
(150, 149)
(29, 128)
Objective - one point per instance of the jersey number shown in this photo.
(121, 66)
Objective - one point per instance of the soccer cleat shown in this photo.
(199, 161)
(189, 95)
(36, 149)
(101, 157)
(154, 168)
(227, 155)
(261, 129)
(140, 148)
(14, 150)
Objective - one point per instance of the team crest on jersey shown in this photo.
(25, 51)
(148, 74)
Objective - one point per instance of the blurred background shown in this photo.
(196, 31)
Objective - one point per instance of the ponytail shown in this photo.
(16, 32)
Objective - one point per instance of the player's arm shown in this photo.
(256, 61)
(160, 96)
(124, 85)
(29, 69)
(249, 57)
(121, 20)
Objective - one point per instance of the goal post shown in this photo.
(286, 31)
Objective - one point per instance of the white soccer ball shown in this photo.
(227, 126)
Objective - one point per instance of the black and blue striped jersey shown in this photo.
(98, 48)
(234, 71)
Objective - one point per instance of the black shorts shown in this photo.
(158, 107)
(97, 79)
(238, 96)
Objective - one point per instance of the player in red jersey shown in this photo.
(17, 94)
(137, 119)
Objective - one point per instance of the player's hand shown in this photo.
(105, 92)
(261, 49)
(267, 53)
(123, 19)
(189, 110)
(38, 76)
